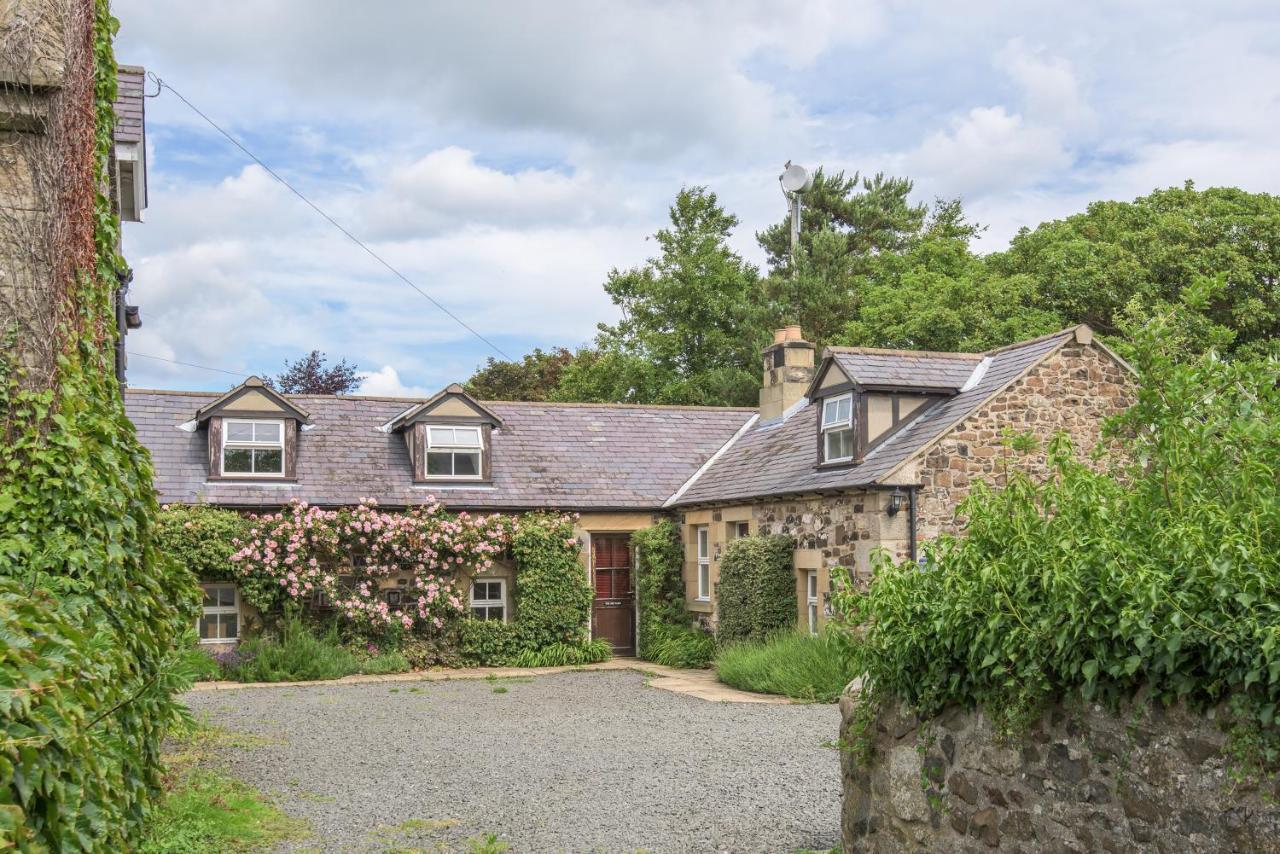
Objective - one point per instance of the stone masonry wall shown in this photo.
(1081, 780)
(1071, 391)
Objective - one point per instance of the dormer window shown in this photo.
(454, 452)
(252, 448)
(837, 429)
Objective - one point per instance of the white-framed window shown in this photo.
(703, 535)
(811, 588)
(220, 614)
(738, 530)
(454, 452)
(252, 448)
(837, 428)
(489, 599)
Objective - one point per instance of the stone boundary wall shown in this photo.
(1082, 779)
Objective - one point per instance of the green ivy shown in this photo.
(201, 538)
(757, 588)
(659, 585)
(91, 617)
(552, 594)
(1161, 575)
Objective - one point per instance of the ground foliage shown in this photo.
(1161, 575)
(757, 592)
(91, 617)
(813, 668)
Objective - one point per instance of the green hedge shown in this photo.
(757, 588)
(552, 594)
(659, 585)
(93, 622)
(1162, 575)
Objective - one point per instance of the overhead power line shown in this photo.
(187, 364)
(357, 241)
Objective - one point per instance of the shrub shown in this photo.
(659, 588)
(298, 654)
(565, 654)
(552, 594)
(794, 664)
(426, 652)
(682, 646)
(202, 665)
(201, 538)
(757, 588)
(487, 643)
(1163, 577)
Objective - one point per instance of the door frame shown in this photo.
(591, 578)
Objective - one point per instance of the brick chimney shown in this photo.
(788, 370)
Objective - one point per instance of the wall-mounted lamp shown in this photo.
(895, 502)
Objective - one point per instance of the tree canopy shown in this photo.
(309, 375)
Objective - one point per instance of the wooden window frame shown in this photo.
(702, 537)
(219, 610)
(252, 445)
(500, 602)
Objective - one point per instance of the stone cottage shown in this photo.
(867, 449)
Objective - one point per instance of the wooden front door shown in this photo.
(613, 615)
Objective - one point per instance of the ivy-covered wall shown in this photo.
(91, 618)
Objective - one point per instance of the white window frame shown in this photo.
(836, 425)
(219, 610)
(736, 532)
(252, 445)
(453, 449)
(702, 536)
(811, 591)
(500, 602)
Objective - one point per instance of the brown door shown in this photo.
(613, 615)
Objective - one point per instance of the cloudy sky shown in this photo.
(505, 156)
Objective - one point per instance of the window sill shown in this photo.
(252, 478)
(218, 641)
(838, 464)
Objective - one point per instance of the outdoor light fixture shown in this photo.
(895, 502)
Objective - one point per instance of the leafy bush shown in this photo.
(297, 654)
(565, 654)
(757, 588)
(794, 664)
(682, 646)
(202, 665)
(201, 538)
(659, 588)
(553, 596)
(488, 643)
(1164, 576)
(380, 663)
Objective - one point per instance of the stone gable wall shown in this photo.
(1072, 391)
(1081, 780)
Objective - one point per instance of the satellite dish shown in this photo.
(796, 179)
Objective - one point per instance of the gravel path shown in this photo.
(580, 761)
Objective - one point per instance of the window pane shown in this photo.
(208, 625)
(226, 596)
(440, 436)
(239, 431)
(704, 580)
(268, 461)
(839, 444)
(439, 463)
(237, 460)
(466, 465)
(495, 613)
(843, 407)
(702, 542)
(230, 624)
(210, 597)
(266, 431)
(466, 437)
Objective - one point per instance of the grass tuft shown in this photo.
(796, 665)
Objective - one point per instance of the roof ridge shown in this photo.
(880, 351)
(1016, 344)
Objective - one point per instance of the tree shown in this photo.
(309, 375)
(1090, 267)
(847, 224)
(692, 326)
(534, 377)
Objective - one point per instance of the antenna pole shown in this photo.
(795, 231)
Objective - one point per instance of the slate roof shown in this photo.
(777, 457)
(562, 456)
(903, 369)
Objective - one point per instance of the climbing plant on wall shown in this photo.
(91, 617)
(757, 588)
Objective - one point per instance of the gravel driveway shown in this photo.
(577, 761)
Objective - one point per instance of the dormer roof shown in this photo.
(452, 404)
(895, 370)
(252, 398)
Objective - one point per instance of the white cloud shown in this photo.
(1049, 86)
(385, 382)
